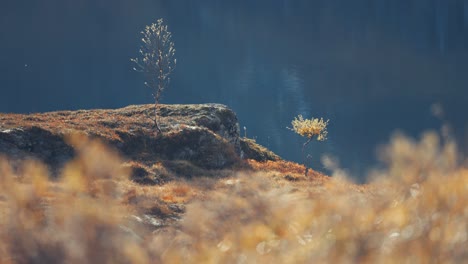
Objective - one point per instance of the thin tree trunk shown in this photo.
(156, 122)
(303, 156)
(160, 88)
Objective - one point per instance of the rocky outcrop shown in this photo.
(34, 142)
(205, 135)
(252, 150)
(215, 118)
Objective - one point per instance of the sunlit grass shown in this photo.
(413, 211)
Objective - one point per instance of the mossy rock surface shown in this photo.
(253, 150)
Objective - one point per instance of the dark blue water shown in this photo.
(370, 66)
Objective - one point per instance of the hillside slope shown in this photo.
(195, 138)
(98, 186)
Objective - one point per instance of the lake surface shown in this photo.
(371, 67)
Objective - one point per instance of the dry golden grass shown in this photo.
(281, 166)
(414, 211)
(107, 124)
(102, 123)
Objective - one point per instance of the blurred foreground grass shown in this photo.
(413, 211)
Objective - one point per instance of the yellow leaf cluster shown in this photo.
(310, 127)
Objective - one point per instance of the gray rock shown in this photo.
(35, 143)
(217, 118)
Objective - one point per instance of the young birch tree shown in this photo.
(156, 61)
(309, 128)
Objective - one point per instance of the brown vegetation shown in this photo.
(102, 208)
(415, 211)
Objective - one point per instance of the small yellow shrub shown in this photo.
(310, 127)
